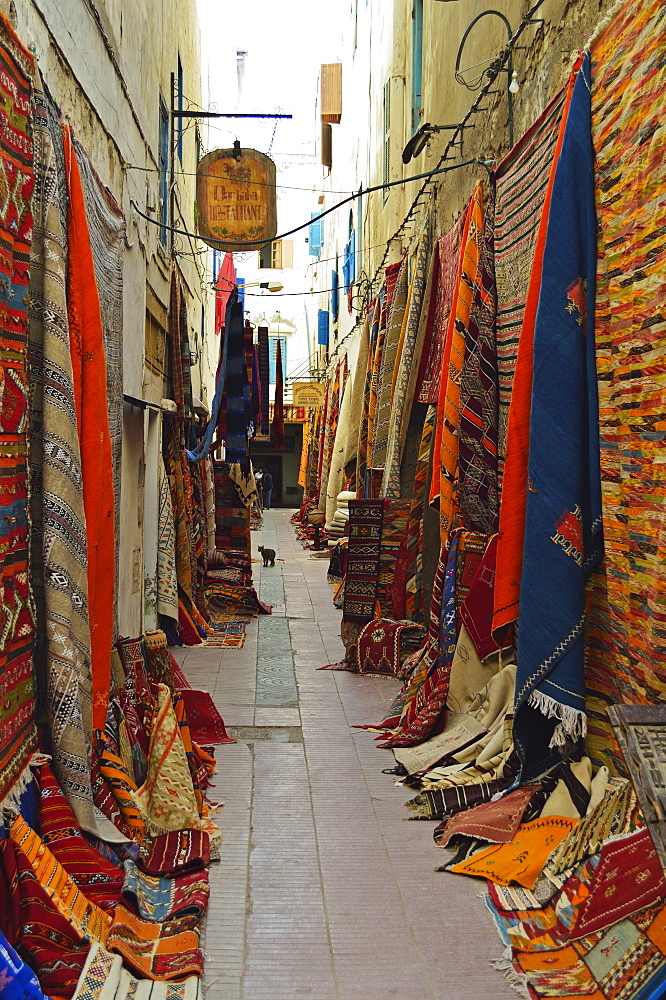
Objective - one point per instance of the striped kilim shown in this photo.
(478, 486)
(522, 178)
(414, 545)
(406, 369)
(394, 525)
(374, 311)
(49, 942)
(449, 415)
(365, 532)
(389, 359)
(626, 643)
(18, 736)
(87, 919)
(446, 252)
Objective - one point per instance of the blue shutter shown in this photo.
(240, 284)
(335, 298)
(322, 327)
(272, 351)
(316, 236)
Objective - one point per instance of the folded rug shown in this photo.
(104, 978)
(17, 980)
(49, 943)
(89, 921)
(206, 724)
(523, 859)
(98, 879)
(158, 899)
(496, 822)
(175, 853)
(167, 797)
(168, 950)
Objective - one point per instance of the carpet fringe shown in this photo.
(605, 22)
(517, 980)
(573, 722)
(11, 804)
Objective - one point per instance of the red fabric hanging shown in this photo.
(89, 373)
(277, 427)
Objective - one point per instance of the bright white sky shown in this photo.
(286, 42)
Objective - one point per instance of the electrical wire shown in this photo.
(315, 218)
(220, 177)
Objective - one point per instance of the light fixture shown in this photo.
(495, 68)
(421, 138)
(271, 286)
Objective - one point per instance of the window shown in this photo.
(315, 235)
(272, 349)
(277, 255)
(386, 146)
(179, 119)
(163, 168)
(417, 63)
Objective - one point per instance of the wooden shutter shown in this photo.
(326, 145)
(331, 93)
(287, 253)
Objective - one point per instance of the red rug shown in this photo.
(206, 723)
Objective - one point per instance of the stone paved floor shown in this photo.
(323, 890)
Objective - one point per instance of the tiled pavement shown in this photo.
(323, 890)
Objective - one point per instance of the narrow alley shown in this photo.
(323, 890)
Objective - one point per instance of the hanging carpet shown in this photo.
(521, 183)
(18, 736)
(563, 511)
(445, 269)
(106, 225)
(363, 559)
(406, 368)
(90, 384)
(626, 650)
(167, 581)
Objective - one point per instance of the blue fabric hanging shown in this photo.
(563, 537)
(203, 448)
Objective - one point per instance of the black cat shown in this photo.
(268, 555)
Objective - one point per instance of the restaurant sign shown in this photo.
(308, 393)
(236, 201)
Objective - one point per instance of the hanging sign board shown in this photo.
(308, 393)
(236, 200)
